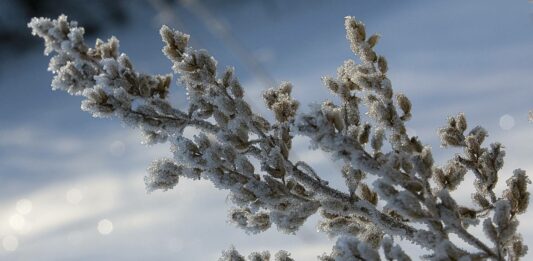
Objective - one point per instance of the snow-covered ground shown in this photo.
(71, 187)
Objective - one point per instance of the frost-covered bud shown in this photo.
(516, 192)
(333, 114)
(480, 200)
(461, 122)
(497, 154)
(335, 225)
(367, 54)
(96, 102)
(162, 174)
(349, 247)
(149, 86)
(373, 40)
(423, 162)
(479, 133)
(236, 89)
(416, 144)
(331, 84)
(175, 43)
(283, 255)
(491, 161)
(451, 176)
(251, 222)
(355, 30)
(104, 50)
(152, 137)
(296, 188)
(377, 139)
(473, 148)
(206, 62)
(231, 255)
(507, 233)
(227, 77)
(364, 133)
(386, 89)
(382, 64)
(352, 110)
(256, 256)
(72, 80)
(290, 215)
(414, 187)
(59, 34)
(439, 177)
(352, 177)
(187, 65)
(280, 102)
(405, 105)
(450, 135)
(467, 213)
(367, 194)
(275, 165)
(382, 112)
(186, 151)
(517, 248)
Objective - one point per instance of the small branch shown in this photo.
(472, 240)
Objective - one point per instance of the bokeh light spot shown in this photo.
(17, 222)
(506, 122)
(105, 227)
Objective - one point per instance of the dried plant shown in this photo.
(408, 199)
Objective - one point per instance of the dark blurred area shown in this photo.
(197, 17)
(93, 14)
(15, 14)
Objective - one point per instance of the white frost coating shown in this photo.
(283, 255)
(231, 255)
(349, 248)
(284, 193)
(162, 174)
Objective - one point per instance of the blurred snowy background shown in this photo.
(71, 187)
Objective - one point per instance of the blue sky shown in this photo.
(456, 56)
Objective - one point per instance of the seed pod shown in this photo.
(331, 84)
(236, 89)
(382, 64)
(227, 77)
(364, 133)
(373, 40)
(461, 122)
(480, 200)
(404, 103)
(368, 194)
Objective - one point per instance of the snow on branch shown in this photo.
(284, 193)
